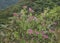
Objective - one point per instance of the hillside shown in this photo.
(31, 21)
(37, 6)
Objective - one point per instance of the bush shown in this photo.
(40, 27)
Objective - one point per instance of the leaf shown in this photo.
(40, 36)
(16, 35)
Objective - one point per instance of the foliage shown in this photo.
(27, 24)
(36, 27)
(37, 5)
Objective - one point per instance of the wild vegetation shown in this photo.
(34, 21)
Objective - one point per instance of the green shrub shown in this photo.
(30, 26)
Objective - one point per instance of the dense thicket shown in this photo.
(37, 5)
(37, 22)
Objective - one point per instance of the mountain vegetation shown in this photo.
(31, 21)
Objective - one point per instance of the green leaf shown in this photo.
(16, 35)
(40, 36)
